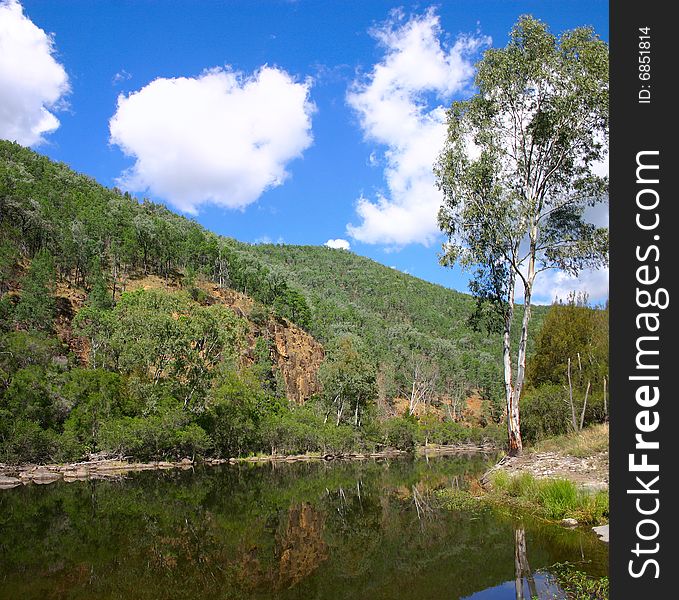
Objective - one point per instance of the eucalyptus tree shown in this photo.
(37, 306)
(348, 380)
(518, 171)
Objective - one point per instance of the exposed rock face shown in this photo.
(239, 303)
(294, 353)
(297, 356)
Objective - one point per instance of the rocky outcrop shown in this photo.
(297, 356)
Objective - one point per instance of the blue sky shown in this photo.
(322, 110)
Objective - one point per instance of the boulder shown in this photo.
(43, 476)
(9, 482)
(602, 532)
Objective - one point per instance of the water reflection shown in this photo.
(301, 531)
(521, 567)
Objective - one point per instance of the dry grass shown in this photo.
(588, 442)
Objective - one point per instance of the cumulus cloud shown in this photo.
(553, 284)
(221, 138)
(32, 82)
(401, 106)
(339, 244)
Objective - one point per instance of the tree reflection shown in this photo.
(521, 567)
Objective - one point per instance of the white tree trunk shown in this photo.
(513, 431)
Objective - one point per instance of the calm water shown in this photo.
(305, 531)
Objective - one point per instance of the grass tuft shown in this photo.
(553, 498)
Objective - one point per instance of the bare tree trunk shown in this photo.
(523, 343)
(574, 421)
(513, 430)
(115, 277)
(584, 406)
(605, 402)
(521, 354)
(411, 408)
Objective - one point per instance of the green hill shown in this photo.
(71, 252)
(402, 318)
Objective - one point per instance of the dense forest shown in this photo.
(127, 329)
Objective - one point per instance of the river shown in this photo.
(303, 531)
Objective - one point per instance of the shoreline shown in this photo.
(22, 474)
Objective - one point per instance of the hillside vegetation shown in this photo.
(127, 328)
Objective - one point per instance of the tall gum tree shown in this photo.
(517, 174)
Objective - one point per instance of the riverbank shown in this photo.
(562, 479)
(581, 458)
(14, 475)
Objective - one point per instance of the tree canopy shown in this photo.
(518, 172)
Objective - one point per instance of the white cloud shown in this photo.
(220, 138)
(339, 244)
(400, 106)
(32, 82)
(554, 284)
(121, 76)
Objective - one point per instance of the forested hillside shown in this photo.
(415, 329)
(128, 328)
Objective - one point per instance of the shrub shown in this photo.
(293, 431)
(95, 396)
(26, 441)
(192, 440)
(69, 447)
(234, 412)
(544, 412)
(401, 433)
(164, 435)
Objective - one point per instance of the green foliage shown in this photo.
(160, 338)
(26, 441)
(544, 412)
(574, 331)
(401, 433)
(394, 314)
(570, 329)
(434, 431)
(8, 262)
(165, 434)
(552, 498)
(99, 297)
(233, 416)
(95, 233)
(37, 307)
(33, 395)
(516, 205)
(579, 585)
(348, 381)
(96, 396)
(160, 378)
